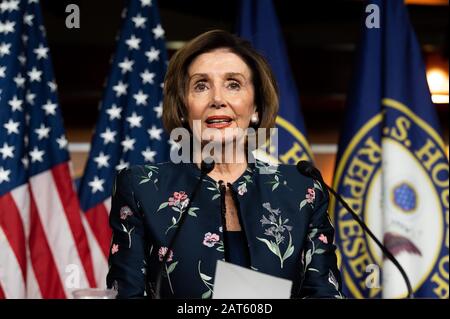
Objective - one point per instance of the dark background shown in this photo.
(321, 37)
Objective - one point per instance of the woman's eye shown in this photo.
(200, 86)
(234, 85)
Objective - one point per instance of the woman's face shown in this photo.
(220, 93)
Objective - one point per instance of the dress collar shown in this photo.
(246, 177)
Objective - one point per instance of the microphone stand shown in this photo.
(306, 168)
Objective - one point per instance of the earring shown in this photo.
(254, 118)
(182, 119)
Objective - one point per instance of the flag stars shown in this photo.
(149, 155)
(50, 108)
(42, 132)
(123, 15)
(2, 71)
(147, 77)
(134, 120)
(4, 175)
(52, 85)
(20, 80)
(12, 127)
(155, 133)
(145, 3)
(30, 98)
(139, 21)
(42, 29)
(128, 144)
(7, 151)
(35, 75)
(122, 165)
(16, 104)
(108, 136)
(22, 59)
(114, 112)
(152, 54)
(28, 19)
(7, 27)
(96, 185)
(12, 5)
(126, 65)
(158, 32)
(41, 52)
(140, 98)
(36, 155)
(133, 42)
(25, 162)
(4, 6)
(120, 88)
(102, 160)
(62, 142)
(158, 109)
(4, 49)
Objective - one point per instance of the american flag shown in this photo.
(44, 251)
(129, 130)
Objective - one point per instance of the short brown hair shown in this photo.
(177, 77)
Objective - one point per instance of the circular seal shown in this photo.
(394, 174)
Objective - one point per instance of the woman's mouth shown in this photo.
(218, 121)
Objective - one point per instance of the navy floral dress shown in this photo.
(283, 215)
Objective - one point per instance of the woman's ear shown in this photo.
(255, 111)
(254, 119)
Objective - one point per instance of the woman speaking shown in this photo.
(172, 221)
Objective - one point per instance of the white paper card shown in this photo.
(235, 282)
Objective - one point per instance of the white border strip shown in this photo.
(79, 147)
(324, 148)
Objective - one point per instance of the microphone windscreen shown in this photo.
(305, 168)
(308, 169)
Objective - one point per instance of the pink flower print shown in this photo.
(172, 201)
(177, 198)
(125, 211)
(323, 239)
(311, 195)
(210, 239)
(114, 249)
(162, 252)
(242, 189)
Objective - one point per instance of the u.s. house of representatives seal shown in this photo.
(394, 174)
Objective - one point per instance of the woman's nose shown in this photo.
(217, 100)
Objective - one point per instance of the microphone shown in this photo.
(206, 167)
(307, 169)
